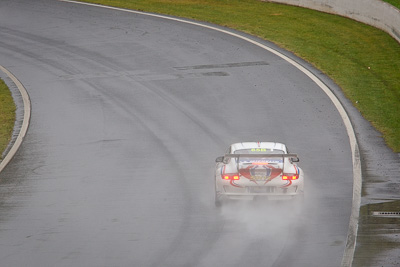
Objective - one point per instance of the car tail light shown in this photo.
(233, 176)
(290, 176)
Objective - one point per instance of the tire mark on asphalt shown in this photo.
(223, 66)
(97, 59)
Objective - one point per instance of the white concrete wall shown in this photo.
(373, 12)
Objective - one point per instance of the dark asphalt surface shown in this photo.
(128, 114)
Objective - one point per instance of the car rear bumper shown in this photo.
(271, 192)
(252, 196)
(259, 190)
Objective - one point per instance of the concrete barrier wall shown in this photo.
(373, 12)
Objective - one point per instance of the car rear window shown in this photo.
(258, 151)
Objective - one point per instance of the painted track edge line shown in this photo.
(25, 123)
(356, 161)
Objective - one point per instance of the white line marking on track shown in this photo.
(25, 122)
(357, 175)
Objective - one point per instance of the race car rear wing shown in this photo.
(293, 157)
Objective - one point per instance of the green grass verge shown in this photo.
(395, 3)
(7, 116)
(362, 60)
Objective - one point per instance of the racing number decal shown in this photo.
(259, 150)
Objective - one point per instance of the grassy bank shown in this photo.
(363, 60)
(395, 3)
(7, 116)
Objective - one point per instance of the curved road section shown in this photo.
(128, 115)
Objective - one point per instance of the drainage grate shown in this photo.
(386, 213)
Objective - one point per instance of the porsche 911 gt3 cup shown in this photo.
(258, 169)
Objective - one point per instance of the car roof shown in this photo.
(267, 145)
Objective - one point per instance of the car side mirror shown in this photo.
(219, 159)
(296, 159)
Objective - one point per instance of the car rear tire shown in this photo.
(299, 203)
(218, 200)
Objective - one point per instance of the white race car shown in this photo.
(258, 169)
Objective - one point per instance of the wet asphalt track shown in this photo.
(128, 115)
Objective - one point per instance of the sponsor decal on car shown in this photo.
(257, 173)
